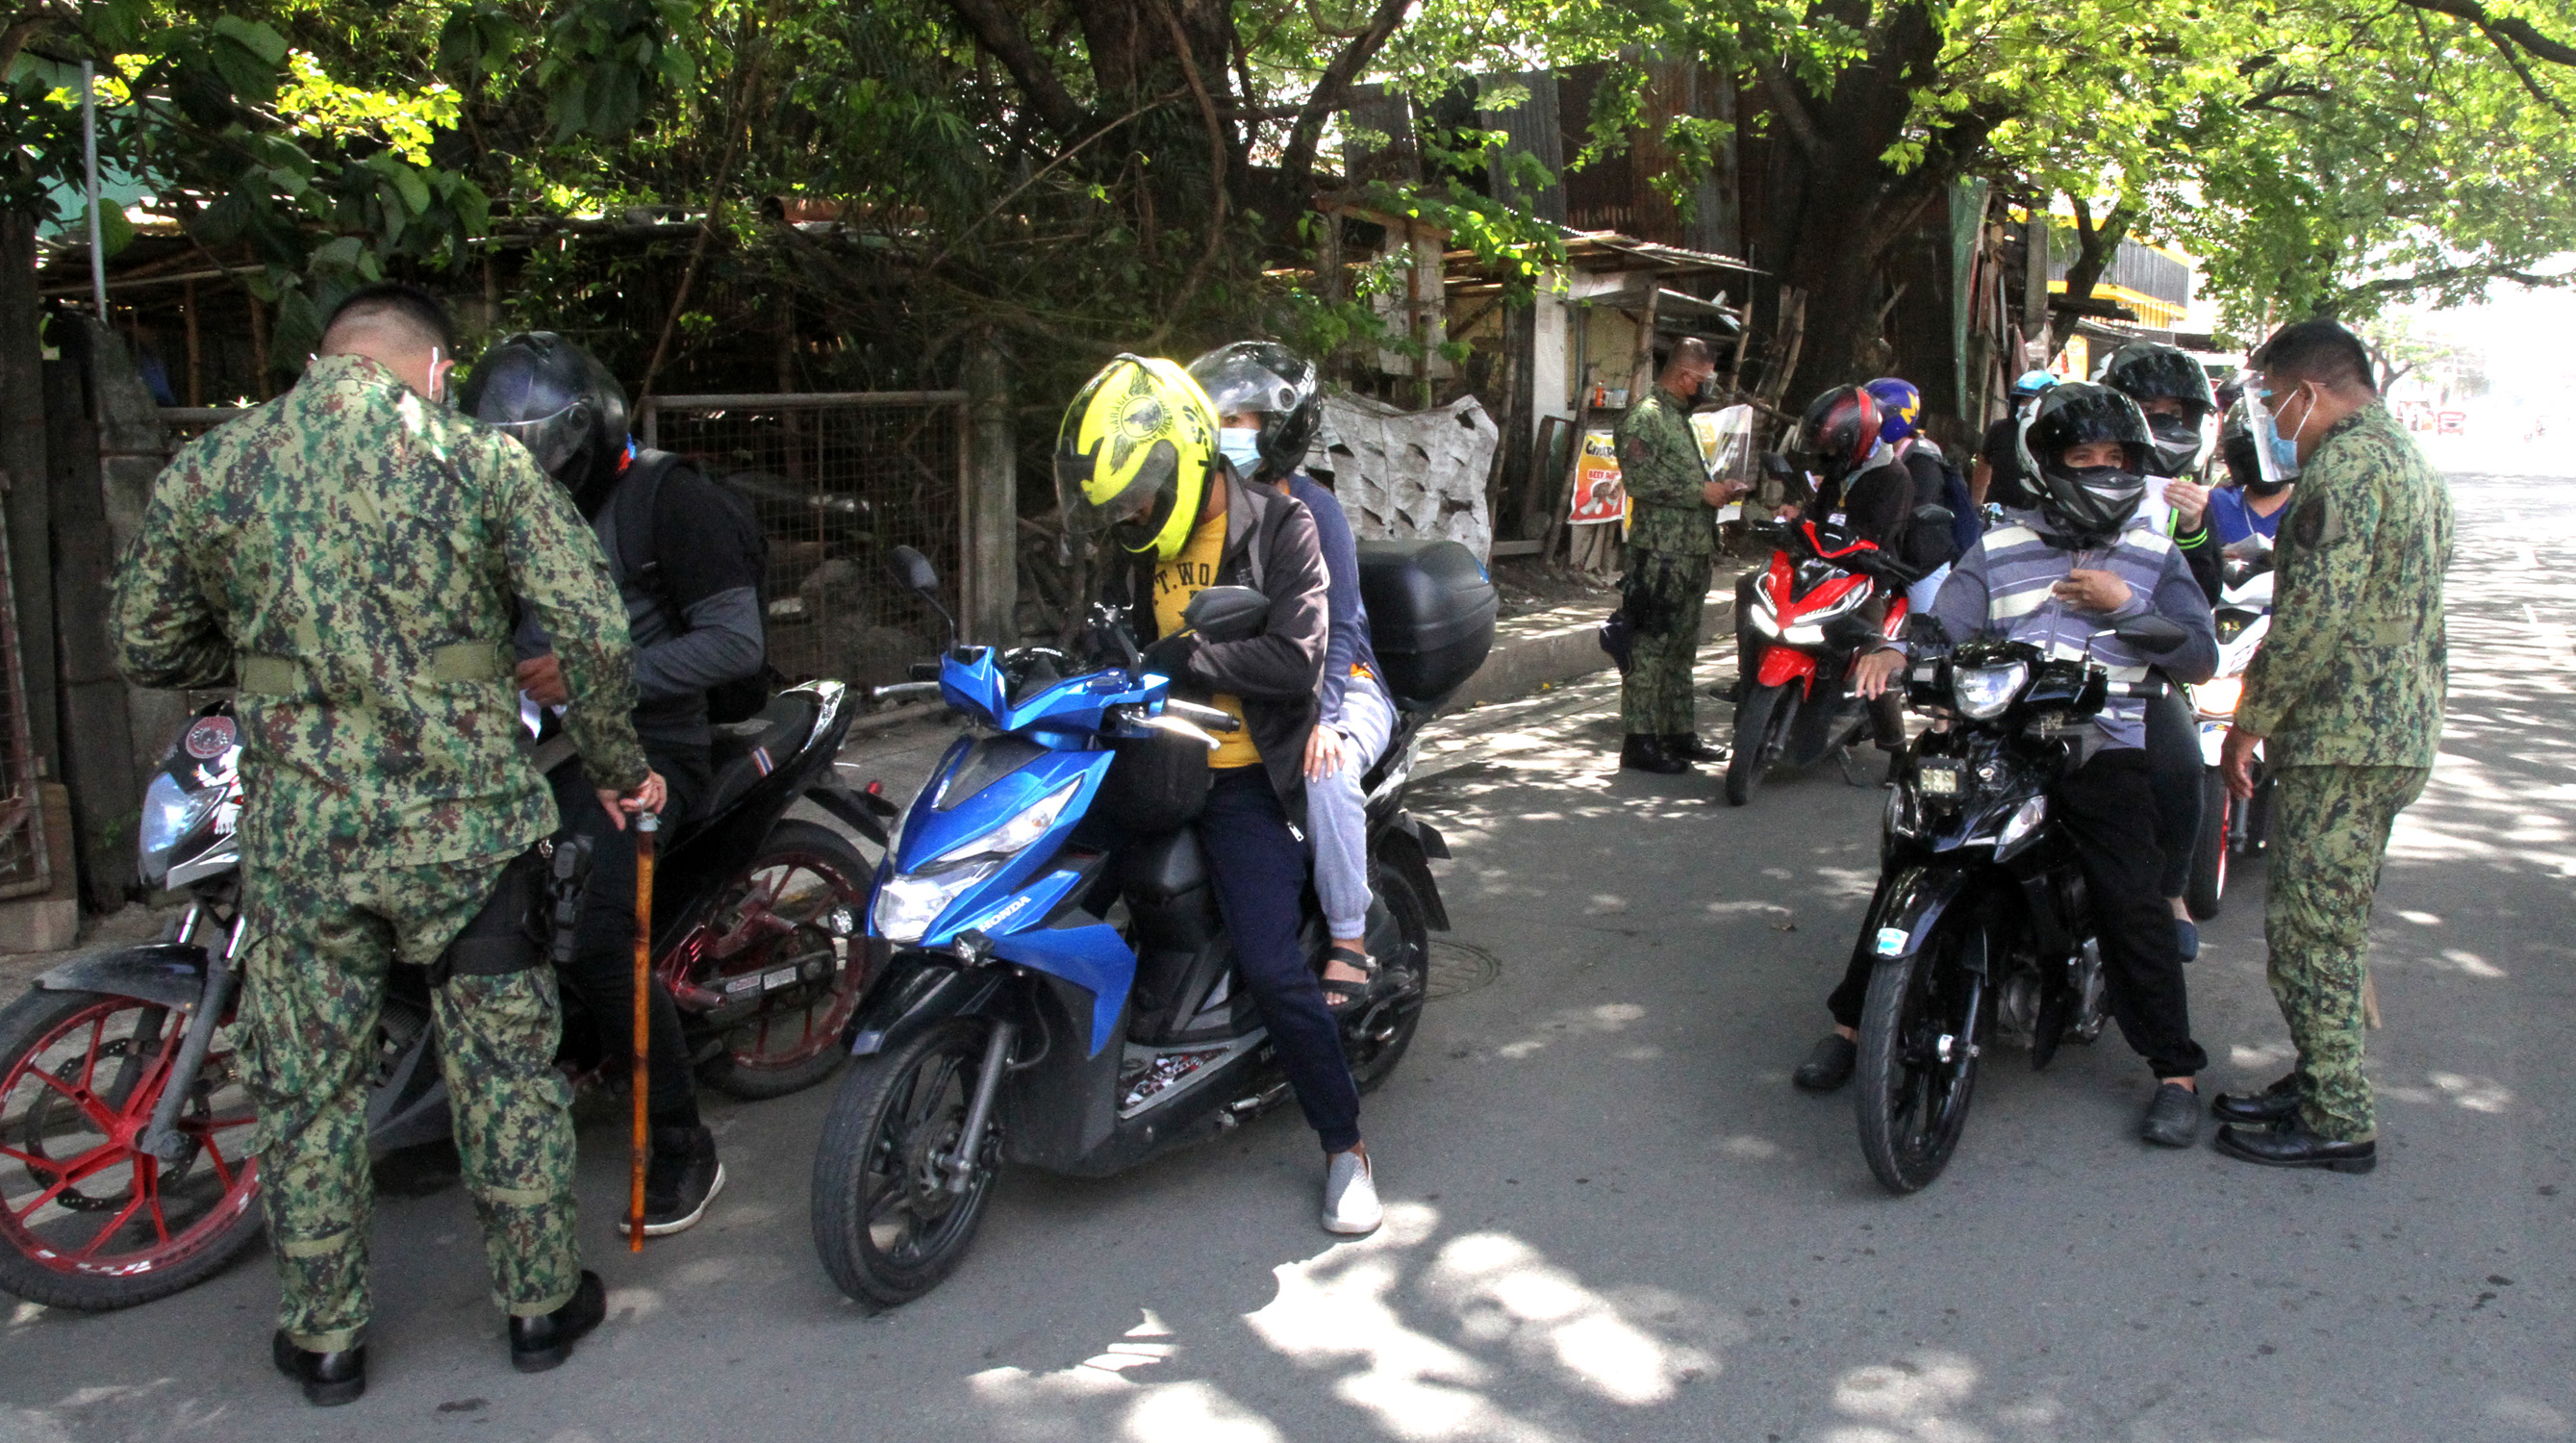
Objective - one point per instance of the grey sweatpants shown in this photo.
(1337, 810)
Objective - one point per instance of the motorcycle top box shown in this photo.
(1431, 611)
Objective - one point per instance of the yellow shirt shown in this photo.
(1175, 582)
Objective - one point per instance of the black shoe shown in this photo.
(2173, 1116)
(680, 1180)
(329, 1379)
(539, 1343)
(1644, 752)
(1688, 747)
(2277, 1103)
(1828, 1064)
(2290, 1145)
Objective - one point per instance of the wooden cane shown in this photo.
(646, 825)
(2370, 1002)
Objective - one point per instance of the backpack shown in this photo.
(639, 559)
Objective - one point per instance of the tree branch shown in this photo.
(1216, 176)
(2520, 32)
(1315, 13)
(2444, 275)
(1297, 160)
(999, 32)
(1792, 108)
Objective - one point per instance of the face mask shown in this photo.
(1243, 448)
(2278, 455)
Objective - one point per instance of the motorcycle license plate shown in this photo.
(1940, 777)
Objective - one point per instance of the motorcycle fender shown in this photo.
(918, 992)
(162, 972)
(1407, 852)
(1782, 665)
(1910, 904)
(843, 803)
(1090, 955)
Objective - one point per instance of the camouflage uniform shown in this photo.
(348, 554)
(1672, 543)
(2347, 690)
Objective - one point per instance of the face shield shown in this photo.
(553, 439)
(2275, 455)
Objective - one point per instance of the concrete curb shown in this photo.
(1558, 645)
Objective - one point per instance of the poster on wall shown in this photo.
(1598, 494)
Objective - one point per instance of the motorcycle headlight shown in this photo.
(2218, 696)
(2024, 821)
(910, 902)
(1982, 692)
(171, 814)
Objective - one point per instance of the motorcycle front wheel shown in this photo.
(1763, 717)
(885, 1222)
(1918, 1056)
(88, 1220)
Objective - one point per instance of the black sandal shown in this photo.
(1342, 996)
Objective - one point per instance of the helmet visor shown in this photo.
(1239, 383)
(552, 439)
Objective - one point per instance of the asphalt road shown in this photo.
(1610, 1216)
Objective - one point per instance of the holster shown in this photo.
(1651, 594)
(529, 920)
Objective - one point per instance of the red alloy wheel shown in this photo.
(793, 930)
(90, 1220)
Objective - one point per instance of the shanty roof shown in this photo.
(1608, 250)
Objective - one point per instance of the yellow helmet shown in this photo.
(1136, 454)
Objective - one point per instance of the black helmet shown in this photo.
(1838, 432)
(1266, 379)
(548, 394)
(2236, 448)
(2146, 370)
(2092, 504)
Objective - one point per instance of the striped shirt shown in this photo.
(2002, 588)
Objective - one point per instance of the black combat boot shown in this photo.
(543, 1342)
(1644, 752)
(1688, 747)
(329, 1379)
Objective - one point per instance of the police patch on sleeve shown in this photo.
(2315, 524)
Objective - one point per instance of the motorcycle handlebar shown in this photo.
(903, 690)
(1206, 716)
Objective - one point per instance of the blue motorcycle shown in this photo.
(1054, 984)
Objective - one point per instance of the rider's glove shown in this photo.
(1171, 656)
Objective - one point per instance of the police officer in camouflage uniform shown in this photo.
(2345, 698)
(346, 556)
(1672, 546)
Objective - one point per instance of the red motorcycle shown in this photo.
(1808, 624)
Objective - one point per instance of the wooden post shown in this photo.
(2034, 287)
(989, 499)
(26, 479)
(196, 373)
(1421, 317)
(98, 746)
(259, 348)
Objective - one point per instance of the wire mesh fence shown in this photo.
(839, 480)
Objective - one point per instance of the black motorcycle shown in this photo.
(126, 1172)
(1061, 993)
(1981, 930)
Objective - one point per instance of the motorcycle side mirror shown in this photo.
(2151, 631)
(913, 572)
(1226, 613)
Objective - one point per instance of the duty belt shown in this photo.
(459, 661)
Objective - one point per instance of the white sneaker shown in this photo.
(1350, 1195)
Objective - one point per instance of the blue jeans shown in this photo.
(1259, 868)
(1337, 811)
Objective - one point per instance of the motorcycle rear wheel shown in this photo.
(1913, 1104)
(89, 1221)
(1757, 721)
(2208, 886)
(885, 1224)
(779, 917)
(1380, 1038)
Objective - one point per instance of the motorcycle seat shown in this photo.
(741, 753)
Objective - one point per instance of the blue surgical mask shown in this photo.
(1243, 448)
(2280, 453)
